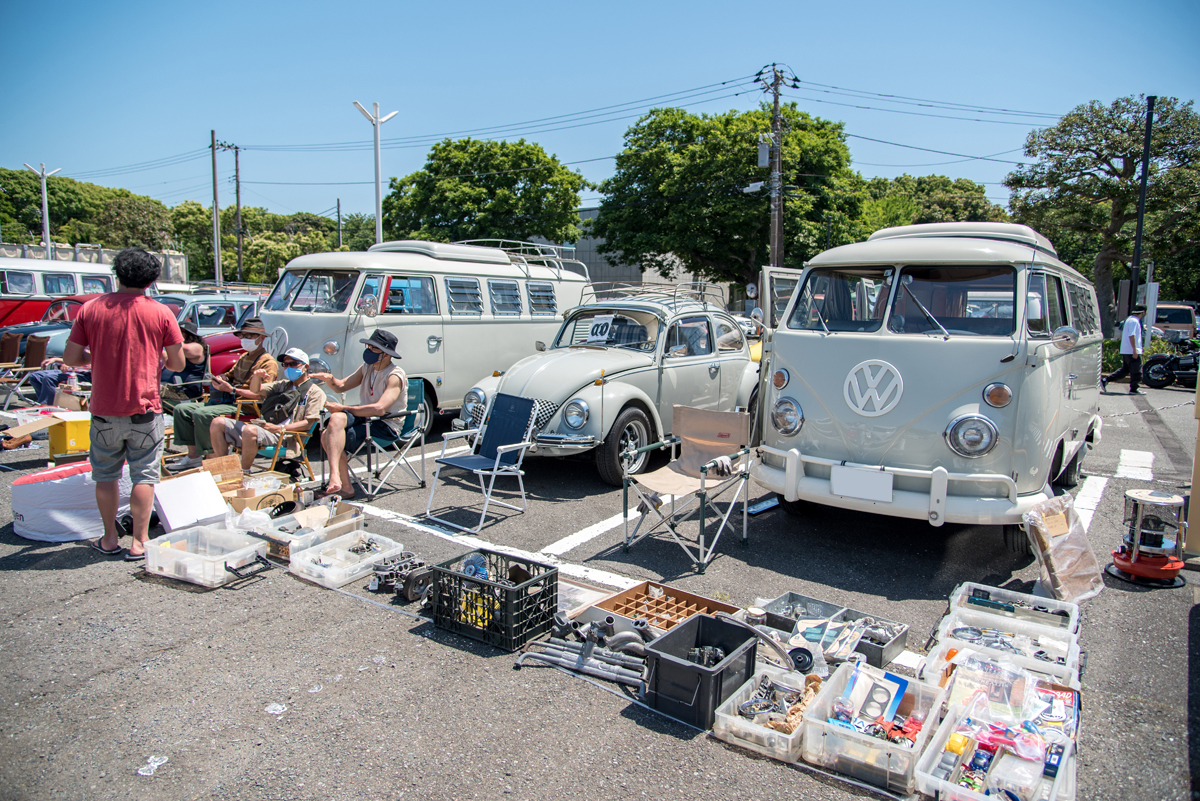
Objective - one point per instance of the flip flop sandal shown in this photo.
(135, 557)
(97, 547)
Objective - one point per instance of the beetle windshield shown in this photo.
(618, 328)
(843, 299)
(971, 301)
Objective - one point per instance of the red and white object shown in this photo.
(59, 504)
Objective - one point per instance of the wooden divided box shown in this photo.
(660, 605)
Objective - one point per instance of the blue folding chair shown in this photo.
(506, 434)
(395, 451)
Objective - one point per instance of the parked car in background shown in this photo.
(212, 313)
(27, 286)
(55, 323)
(620, 362)
(1177, 317)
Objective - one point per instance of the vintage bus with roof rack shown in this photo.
(945, 372)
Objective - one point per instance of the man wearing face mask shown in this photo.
(244, 380)
(382, 389)
(293, 403)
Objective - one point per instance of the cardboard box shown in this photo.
(268, 499)
(70, 401)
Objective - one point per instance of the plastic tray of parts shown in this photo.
(794, 605)
(733, 728)
(342, 559)
(1043, 644)
(200, 554)
(930, 669)
(286, 537)
(1049, 612)
(944, 790)
(860, 756)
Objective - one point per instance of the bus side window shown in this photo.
(16, 283)
(58, 284)
(1044, 304)
(410, 295)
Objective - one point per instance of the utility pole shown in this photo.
(45, 206)
(376, 121)
(216, 214)
(237, 188)
(773, 78)
(1141, 213)
(339, 222)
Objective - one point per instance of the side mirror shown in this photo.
(1065, 338)
(677, 351)
(757, 316)
(368, 305)
(539, 346)
(752, 291)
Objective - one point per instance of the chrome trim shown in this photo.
(564, 441)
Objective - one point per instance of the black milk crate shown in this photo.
(478, 606)
(691, 692)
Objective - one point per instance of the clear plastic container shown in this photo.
(284, 538)
(333, 563)
(869, 759)
(1064, 611)
(943, 790)
(930, 669)
(733, 728)
(1054, 642)
(200, 554)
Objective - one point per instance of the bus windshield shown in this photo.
(970, 301)
(322, 291)
(843, 299)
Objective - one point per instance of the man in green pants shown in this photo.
(254, 368)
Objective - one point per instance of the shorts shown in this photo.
(136, 441)
(232, 429)
(356, 431)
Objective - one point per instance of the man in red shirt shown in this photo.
(126, 334)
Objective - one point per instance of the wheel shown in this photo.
(1070, 475)
(793, 508)
(1016, 540)
(1156, 374)
(631, 430)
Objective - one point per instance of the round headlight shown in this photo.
(575, 414)
(971, 436)
(998, 395)
(780, 378)
(474, 399)
(331, 347)
(787, 416)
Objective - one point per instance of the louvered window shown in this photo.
(464, 296)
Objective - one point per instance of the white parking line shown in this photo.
(580, 537)
(1089, 498)
(1136, 465)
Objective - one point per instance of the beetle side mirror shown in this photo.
(539, 346)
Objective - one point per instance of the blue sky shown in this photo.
(97, 88)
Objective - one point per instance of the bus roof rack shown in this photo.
(702, 292)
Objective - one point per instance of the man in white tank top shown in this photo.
(382, 389)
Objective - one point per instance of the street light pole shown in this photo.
(376, 121)
(45, 206)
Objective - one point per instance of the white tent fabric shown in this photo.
(59, 504)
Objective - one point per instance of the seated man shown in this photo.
(252, 369)
(293, 403)
(46, 380)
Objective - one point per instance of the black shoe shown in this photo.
(1103, 384)
(1136, 392)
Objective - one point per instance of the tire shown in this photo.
(431, 414)
(1016, 540)
(1070, 475)
(793, 508)
(632, 429)
(1156, 374)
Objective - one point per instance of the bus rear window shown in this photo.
(968, 301)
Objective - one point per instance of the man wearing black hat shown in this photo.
(382, 389)
(252, 369)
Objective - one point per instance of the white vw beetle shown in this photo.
(618, 365)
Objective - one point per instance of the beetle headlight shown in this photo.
(474, 399)
(575, 414)
(331, 347)
(971, 436)
(787, 416)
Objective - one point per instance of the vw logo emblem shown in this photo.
(873, 388)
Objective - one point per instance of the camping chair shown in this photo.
(10, 349)
(701, 438)
(395, 451)
(301, 438)
(15, 379)
(507, 428)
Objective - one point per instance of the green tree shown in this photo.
(494, 190)
(135, 222)
(1086, 182)
(74, 206)
(358, 231)
(888, 211)
(939, 198)
(192, 224)
(675, 202)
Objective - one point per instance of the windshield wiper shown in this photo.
(821, 317)
(928, 314)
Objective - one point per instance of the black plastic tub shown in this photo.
(494, 598)
(690, 692)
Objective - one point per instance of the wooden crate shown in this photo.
(663, 612)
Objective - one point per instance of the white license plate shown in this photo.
(859, 482)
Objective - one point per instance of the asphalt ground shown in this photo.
(103, 666)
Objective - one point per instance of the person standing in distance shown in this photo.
(129, 336)
(1131, 354)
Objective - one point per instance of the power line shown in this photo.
(937, 103)
(166, 161)
(914, 113)
(941, 163)
(930, 150)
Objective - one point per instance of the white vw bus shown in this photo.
(458, 311)
(945, 372)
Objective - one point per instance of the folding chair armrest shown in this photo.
(704, 467)
(513, 447)
(628, 456)
(449, 435)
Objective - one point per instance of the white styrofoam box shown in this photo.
(860, 756)
(331, 564)
(188, 500)
(31, 413)
(943, 790)
(733, 728)
(932, 665)
(1068, 610)
(1058, 642)
(199, 554)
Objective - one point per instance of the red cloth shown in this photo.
(126, 334)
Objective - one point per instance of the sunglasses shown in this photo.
(291, 363)
(373, 349)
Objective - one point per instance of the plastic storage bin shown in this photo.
(202, 554)
(688, 691)
(467, 598)
(731, 727)
(931, 667)
(333, 563)
(967, 618)
(868, 759)
(943, 790)
(813, 607)
(281, 544)
(1064, 610)
(878, 655)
